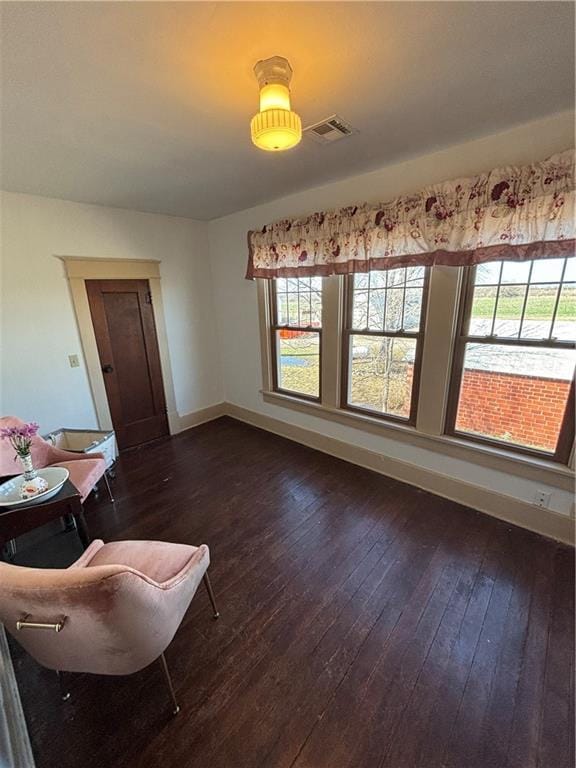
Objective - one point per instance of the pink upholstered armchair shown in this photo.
(113, 612)
(84, 472)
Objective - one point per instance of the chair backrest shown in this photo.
(115, 619)
(39, 448)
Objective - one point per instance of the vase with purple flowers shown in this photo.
(21, 440)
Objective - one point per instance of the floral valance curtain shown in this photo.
(525, 212)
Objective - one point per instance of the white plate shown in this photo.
(10, 490)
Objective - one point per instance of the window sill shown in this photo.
(529, 467)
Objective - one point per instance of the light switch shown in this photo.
(74, 362)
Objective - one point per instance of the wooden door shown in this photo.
(123, 321)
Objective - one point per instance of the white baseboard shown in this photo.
(504, 507)
(173, 422)
(201, 416)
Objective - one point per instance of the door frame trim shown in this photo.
(78, 270)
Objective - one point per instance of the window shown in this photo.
(296, 327)
(513, 376)
(382, 341)
(379, 351)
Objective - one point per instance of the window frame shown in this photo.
(274, 327)
(347, 331)
(566, 435)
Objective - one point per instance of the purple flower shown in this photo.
(20, 437)
(26, 431)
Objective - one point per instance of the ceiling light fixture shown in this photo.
(275, 127)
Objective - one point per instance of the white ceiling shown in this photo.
(147, 105)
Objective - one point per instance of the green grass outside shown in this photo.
(537, 308)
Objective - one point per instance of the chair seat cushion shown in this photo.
(84, 473)
(159, 560)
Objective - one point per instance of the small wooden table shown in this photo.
(16, 521)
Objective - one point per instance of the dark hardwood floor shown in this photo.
(364, 623)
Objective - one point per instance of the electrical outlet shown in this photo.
(74, 361)
(542, 499)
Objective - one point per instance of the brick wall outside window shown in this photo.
(517, 408)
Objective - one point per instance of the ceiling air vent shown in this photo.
(329, 130)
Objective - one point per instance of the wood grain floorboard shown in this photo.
(554, 738)
(364, 623)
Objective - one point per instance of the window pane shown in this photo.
(388, 300)
(305, 309)
(515, 271)
(376, 306)
(405, 276)
(547, 271)
(360, 310)
(412, 309)
(515, 394)
(301, 303)
(539, 311)
(526, 299)
(292, 299)
(570, 271)
(395, 278)
(488, 274)
(316, 304)
(282, 309)
(509, 310)
(299, 361)
(415, 276)
(565, 323)
(394, 298)
(360, 280)
(378, 279)
(381, 367)
(483, 307)
(380, 374)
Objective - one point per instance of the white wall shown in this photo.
(236, 297)
(39, 328)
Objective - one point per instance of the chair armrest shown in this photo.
(200, 559)
(88, 554)
(198, 562)
(55, 455)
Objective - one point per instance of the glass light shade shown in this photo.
(276, 129)
(274, 96)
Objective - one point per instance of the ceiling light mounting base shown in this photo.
(275, 70)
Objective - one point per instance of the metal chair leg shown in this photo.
(105, 476)
(64, 692)
(175, 704)
(208, 585)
